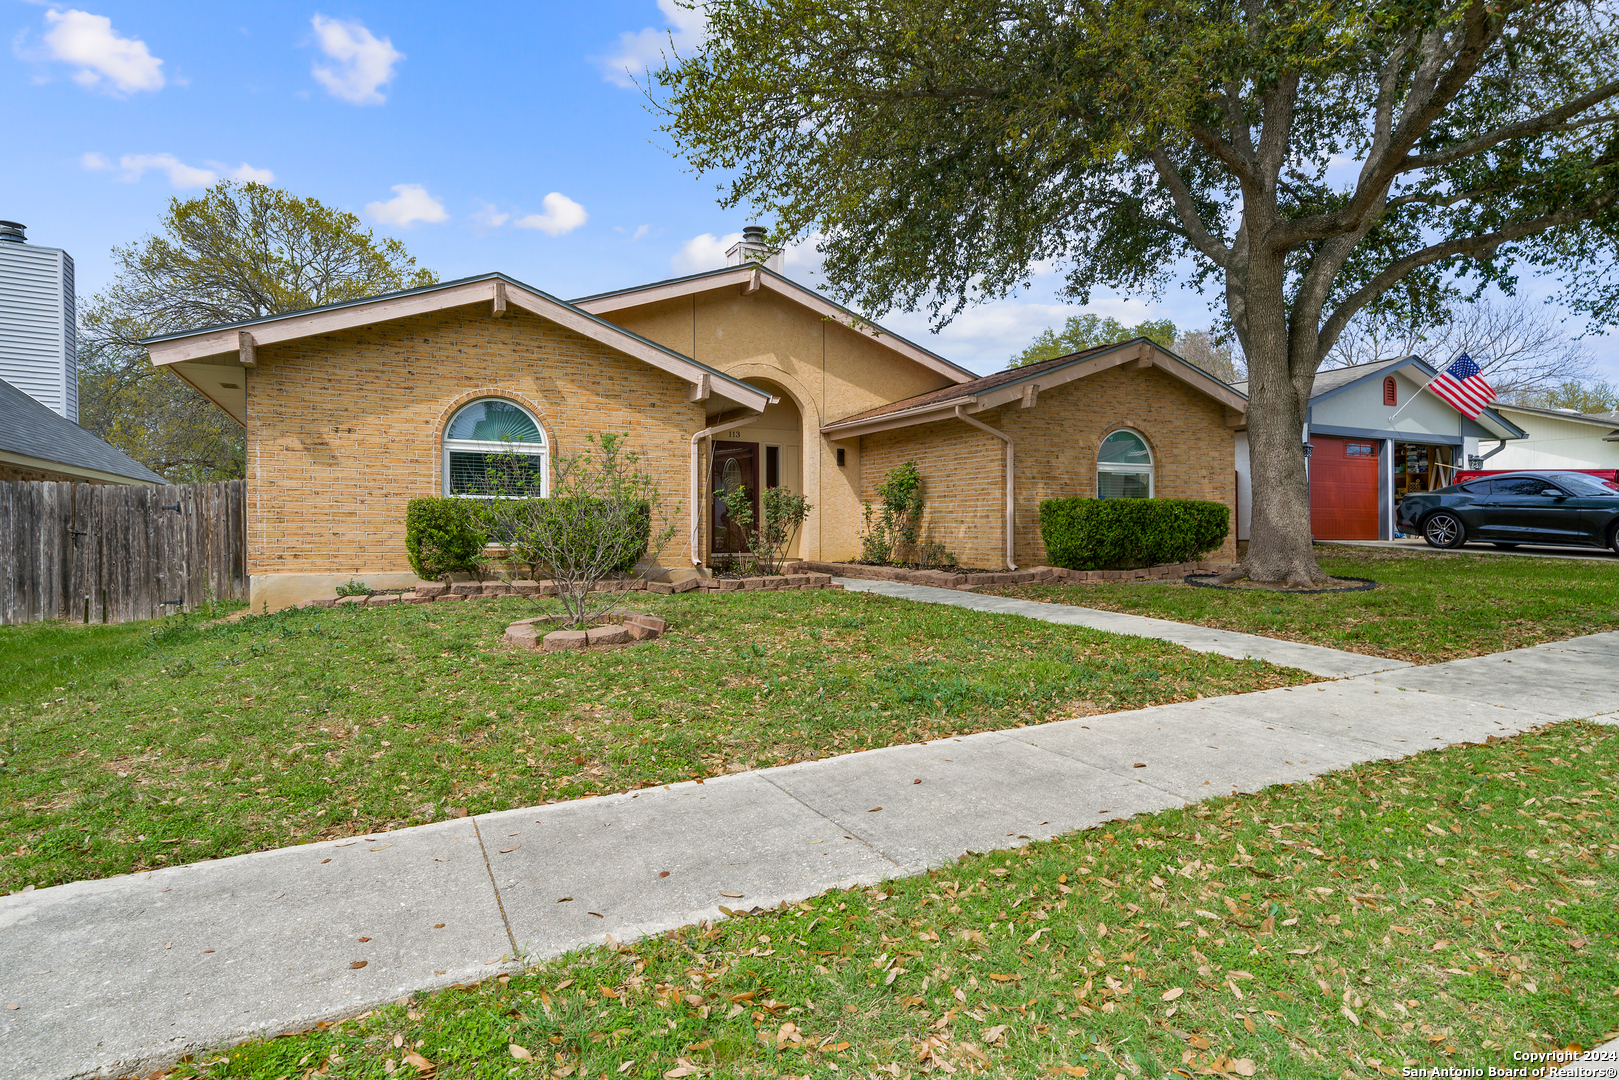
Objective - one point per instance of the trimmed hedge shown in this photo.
(1122, 534)
(444, 536)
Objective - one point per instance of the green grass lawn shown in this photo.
(1445, 910)
(144, 745)
(1427, 608)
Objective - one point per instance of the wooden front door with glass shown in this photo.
(736, 465)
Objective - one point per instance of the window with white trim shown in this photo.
(1124, 467)
(493, 447)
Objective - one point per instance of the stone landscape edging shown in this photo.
(430, 592)
(1041, 575)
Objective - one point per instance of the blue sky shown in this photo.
(506, 137)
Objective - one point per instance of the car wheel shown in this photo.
(1507, 547)
(1444, 530)
(1613, 539)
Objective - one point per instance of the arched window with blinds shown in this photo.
(493, 448)
(1124, 467)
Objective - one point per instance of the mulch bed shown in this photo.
(1332, 585)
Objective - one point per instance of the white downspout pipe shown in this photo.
(696, 480)
(961, 414)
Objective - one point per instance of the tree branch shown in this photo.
(1196, 232)
(1546, 123)
(1467, 245)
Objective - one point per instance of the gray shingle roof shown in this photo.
(29, 428)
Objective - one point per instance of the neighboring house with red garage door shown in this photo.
(1375, 435)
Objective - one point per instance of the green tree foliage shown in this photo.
(1311, 162)
(1596, 397)
(236, 252)
(1202, 347)
(1087, 332)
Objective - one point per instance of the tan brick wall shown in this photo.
(344, 429)
(1193, 452)
(963, 485)
(1055, 453)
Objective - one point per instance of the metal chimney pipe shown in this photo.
(13, 231)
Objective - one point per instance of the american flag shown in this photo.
(1462, 384)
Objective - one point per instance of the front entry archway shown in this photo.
(766, 453)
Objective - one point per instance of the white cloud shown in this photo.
(705, 252)
(365, 63)
(488, 217)
(639, 50)
(411, 203)
(247, 174)
(131, 167)
(640, 232)
(118, 65)
(562, 215)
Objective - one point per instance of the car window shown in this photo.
(1521, 485)
(1581, 484)
(1476, 487)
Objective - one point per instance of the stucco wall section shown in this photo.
(344, 429)
(827, 370)
(1055, 445)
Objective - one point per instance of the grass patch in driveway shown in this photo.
(167, 743)
(1427, 608)
(1446, 910)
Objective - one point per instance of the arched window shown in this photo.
(1390, 393)
(1124, 467)
(493, 447)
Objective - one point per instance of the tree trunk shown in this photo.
(1279, 549)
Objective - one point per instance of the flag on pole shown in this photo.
(1462, 384)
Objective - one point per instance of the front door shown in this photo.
(736, 464)
(1343, 488)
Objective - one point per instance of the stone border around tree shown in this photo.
(610, 629)
(1038, 575)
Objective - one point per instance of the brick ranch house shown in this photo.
(1123, 420)
(351, 410)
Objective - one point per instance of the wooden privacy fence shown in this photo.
(104, 553)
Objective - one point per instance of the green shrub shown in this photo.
(1121, 534)
(444, 536)
(892, 531)
(545, 531)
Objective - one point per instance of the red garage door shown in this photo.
(1343, 488)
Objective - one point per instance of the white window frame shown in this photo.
(541, 449)
(1148, 470)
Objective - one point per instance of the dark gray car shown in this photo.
(1517, 508)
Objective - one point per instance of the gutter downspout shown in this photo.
(961, 415)
(696, 480)
(1502, 446)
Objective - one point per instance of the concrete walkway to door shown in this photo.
(1316, 659)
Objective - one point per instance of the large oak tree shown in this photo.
(1311, 160)
(236, 252)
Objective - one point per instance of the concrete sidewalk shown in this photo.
(1316, 659)
(116, 976)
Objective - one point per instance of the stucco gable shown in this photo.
(747, 280)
